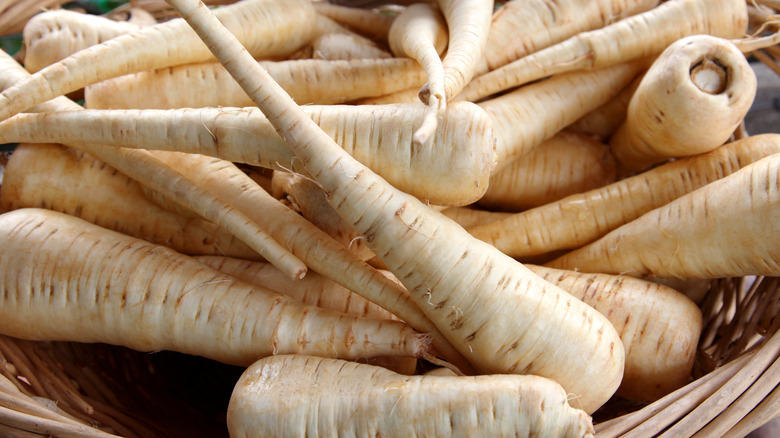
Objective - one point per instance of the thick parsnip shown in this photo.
(451, 170)
(297, 395)
(72, 182)
(728, 228)
(689, 102)
(500, 315)
(63, 278)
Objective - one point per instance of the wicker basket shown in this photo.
(95, 390)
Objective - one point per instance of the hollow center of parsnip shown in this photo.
(709, 76)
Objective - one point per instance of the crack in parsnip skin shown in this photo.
(63, 278)
(582, 218)
(303, 396)
(727, 228)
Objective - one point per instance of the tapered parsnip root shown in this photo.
(66, 279)
(72, 182)
(659, 326)
(369, 23)
(308, 81)
(582, 218)
(537, 24)
(566, 164)
(302, 396)
(268, 28)
(689, 102)
(640, 36)
(451, 170)
(727, 228)
(500, 316)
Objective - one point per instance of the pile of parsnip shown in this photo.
(340, 198)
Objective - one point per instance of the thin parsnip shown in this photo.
(689, 102)
(566, 164)
(636, 37)
(582, 218)
(451, 170)
(308, 81)
(351, 399)
(523, 119)
(727, 228)
(537, 24)
(420, 32)
(659, 326)
(66, 279)
(72, 182)
(500, 316)
(268, 28)
(347, 47)
(369, 23)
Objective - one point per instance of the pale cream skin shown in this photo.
(297, 396)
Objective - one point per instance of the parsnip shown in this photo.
(502, 317)
(63, 278)
(307, 396)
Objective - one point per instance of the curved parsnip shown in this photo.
(659, 326)
(468, 23)
(452, 170)
(537, 24)
(689, 102)
(419, 32)
(636, 37)
(501, 317)
(63, 278)
(728, 228)
(582, 218)
(268, 28)
(72, 182)
(303, 396)
(566, 164)
(208, 84)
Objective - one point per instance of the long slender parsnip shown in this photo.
(268, 28)
(537, 24)
(636, 37)
(728, 228)
(350, 399)
(689, 102)
(660, 327)
(583, 218)
(63, 278)
(72, 182)
(451, 170)
(502, 317)
(308, 81)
